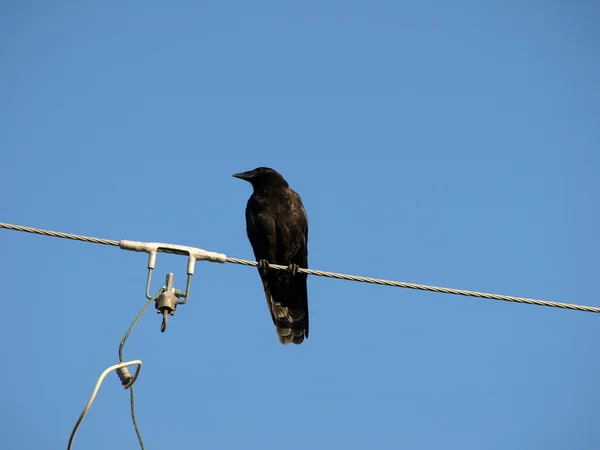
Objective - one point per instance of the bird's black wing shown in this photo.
(277, 228)
(292, 243)
(261, 228)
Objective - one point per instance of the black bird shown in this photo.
(277, 228)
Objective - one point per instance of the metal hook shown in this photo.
(165, 320)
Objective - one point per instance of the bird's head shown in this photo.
(262, 176)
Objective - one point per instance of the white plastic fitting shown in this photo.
(194, 253)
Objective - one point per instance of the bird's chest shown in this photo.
(268, 209)
(270, 204)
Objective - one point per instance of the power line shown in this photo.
(136, 427)
(131, 390)
(121, 365)
(57, 234)
(124, 375)
(127, 245)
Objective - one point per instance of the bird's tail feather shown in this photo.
(291, 323)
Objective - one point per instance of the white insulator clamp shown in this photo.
(194, 253)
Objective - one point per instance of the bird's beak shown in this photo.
(243, 176)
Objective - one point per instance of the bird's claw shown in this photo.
(263, 266)
(293, 269)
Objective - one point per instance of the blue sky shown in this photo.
(453, 145)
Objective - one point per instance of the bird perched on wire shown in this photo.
(277, 228)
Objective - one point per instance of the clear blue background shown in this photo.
(448, 144)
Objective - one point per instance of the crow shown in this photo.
(277, 228)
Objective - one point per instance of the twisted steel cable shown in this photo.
(338, 276)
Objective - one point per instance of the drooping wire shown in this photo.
(134, 323)
(338, 276)
(131, 381)
(131, 389)
(95, 392)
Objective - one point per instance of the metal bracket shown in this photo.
(169, 298)
(167, 301)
